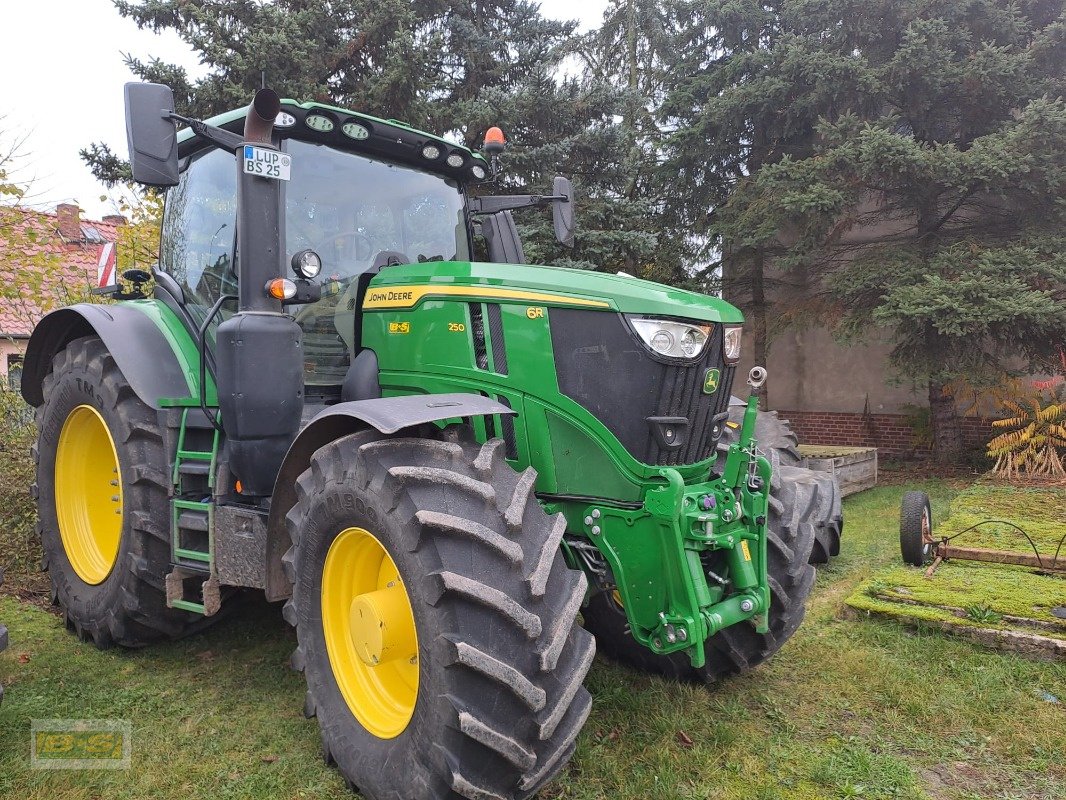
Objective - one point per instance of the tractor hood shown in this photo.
(406, 285)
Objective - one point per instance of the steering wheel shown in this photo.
(359, 254)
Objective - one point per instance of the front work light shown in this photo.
(307, 264)
(731, 350)
(671, 338)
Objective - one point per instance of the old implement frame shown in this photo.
(920, 547)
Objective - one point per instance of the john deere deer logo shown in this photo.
(710, 381)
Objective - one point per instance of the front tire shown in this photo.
(488, 693)
(776, 438)
(102, 503)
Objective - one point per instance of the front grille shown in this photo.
(604, 367)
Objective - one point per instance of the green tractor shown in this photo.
(438, 464)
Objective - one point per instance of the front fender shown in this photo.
(155, 365)
(385, 414)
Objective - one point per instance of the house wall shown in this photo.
(810, 371)
(840, 394)
(843, 394)
(8, 347)
(891, 434)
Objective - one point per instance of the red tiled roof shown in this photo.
(70, 273)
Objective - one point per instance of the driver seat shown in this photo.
(361, 380)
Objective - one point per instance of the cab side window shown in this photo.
(199, 220)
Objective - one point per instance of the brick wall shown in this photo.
(889, 433)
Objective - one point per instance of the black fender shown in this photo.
(385, 414)
(140, 349)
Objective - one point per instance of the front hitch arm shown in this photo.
(730, 518)
(693, 559)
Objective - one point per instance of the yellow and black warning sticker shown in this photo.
(744, 547)
(409, 296)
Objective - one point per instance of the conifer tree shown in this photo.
(452, 67)
(748, 82)
(934, 209)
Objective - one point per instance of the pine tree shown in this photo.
(748, 81)
(456, 68)
(630, 53)
(382, 55)
(934, 209)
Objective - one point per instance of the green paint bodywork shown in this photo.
(653, 553)
(657, 536)
(185, 350)
(620, 292)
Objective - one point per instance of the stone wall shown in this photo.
(889, 433)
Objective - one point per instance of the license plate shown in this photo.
(266, 163)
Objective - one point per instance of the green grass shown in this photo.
(1040, 512)
(849, 708)
(986, 593)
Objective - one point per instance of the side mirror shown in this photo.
(151, 134)
(563, 211)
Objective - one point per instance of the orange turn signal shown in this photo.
(281, 289)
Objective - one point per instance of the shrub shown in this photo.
(1037, 435)
(20, 546)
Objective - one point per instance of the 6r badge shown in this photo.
(710, 381)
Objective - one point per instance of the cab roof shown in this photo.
(350, 130)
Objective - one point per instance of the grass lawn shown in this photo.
(850, 708)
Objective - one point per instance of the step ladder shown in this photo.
(191, 585)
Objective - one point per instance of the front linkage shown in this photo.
(709, 568)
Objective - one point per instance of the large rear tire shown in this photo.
(102, 503)
(475, 688)
(794, 501)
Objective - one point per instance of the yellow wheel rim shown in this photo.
(369, 628)
(88, 494)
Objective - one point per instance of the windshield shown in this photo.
(349, 208)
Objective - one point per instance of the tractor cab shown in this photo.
(359, 192)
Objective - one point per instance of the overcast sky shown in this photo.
(61, 77)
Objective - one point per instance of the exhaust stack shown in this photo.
(259, 123)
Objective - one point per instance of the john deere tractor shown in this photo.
(437, 463)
